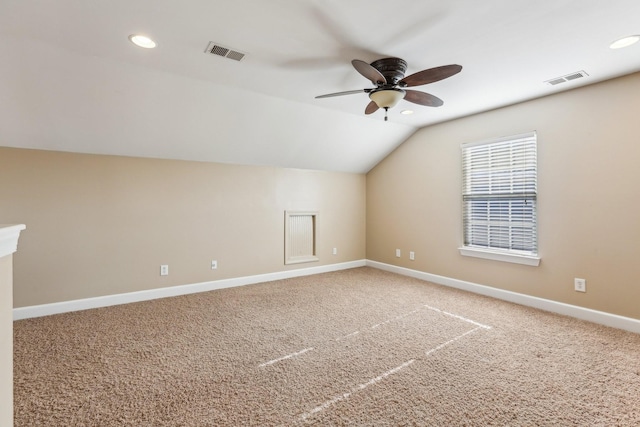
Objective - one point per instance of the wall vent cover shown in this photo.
(300, 237)
(567, 78)
(216, 49)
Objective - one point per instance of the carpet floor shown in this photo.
(358, 347)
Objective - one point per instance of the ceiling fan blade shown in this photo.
(348, 92)
(371, 108)
(431, 75)
(422, 98)
(369, 72)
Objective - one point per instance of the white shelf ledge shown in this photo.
(9, 234)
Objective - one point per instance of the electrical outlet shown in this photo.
(214, 264)
(412, 256)
(335, 251)
(397, 253)
(164, 270)
(580, 285)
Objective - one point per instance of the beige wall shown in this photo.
(588, 187)
(6, 342)
(101, 225)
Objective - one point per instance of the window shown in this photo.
(499, 193)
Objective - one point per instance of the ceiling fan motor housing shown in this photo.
(387, 75)
(392, 69)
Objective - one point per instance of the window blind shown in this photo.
(500, 193)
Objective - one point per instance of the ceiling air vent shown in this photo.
(215, 49)
(567, 78)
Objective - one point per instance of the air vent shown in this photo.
(215, 49)
(567, 78)
(575, 76)
(556, 81)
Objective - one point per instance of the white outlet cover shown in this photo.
(398, 253)
(164, 270)
(214, 264)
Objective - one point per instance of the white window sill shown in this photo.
(531, 260)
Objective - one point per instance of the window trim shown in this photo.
(497, 254)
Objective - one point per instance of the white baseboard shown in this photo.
(108, 300)
(600, 317)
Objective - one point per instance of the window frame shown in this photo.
(527, 182)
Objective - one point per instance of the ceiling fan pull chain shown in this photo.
(386, 110)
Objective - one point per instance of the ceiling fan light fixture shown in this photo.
(624, 42)
(387, 98)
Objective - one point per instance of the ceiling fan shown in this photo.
(387, 75)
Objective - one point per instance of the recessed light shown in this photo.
(406, 112)
(142, 41)
(624, 42)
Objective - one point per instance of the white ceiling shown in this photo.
(70, 79)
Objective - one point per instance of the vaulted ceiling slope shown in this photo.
(70, 79)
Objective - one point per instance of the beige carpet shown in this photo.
(360, 347)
